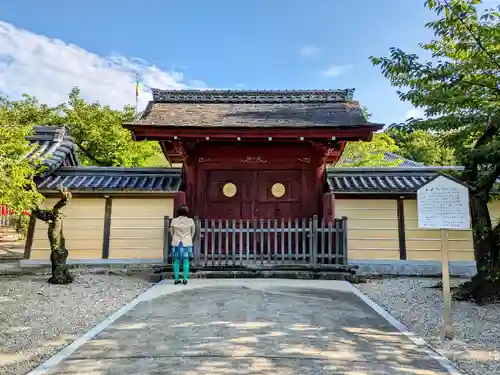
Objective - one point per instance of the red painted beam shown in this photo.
(196, 133)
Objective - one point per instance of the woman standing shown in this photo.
(182, 229)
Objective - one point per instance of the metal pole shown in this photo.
(136, 104)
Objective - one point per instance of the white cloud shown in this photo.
(414, 113)
(49, 68)
(335, 70)
(309, 51)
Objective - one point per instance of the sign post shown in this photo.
(443, 204)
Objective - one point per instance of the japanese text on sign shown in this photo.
(443, 204)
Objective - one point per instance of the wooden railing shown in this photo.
(245, 242)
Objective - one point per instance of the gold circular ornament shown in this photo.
(229, 190)
(278, 190)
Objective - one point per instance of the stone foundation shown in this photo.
(364, 267)
(426, 268)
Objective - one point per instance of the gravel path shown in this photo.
(38, 319)
(476, 347)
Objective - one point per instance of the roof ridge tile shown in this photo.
(252, 96)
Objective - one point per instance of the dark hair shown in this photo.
(183, 210)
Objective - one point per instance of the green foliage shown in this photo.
(459, 89)
(417, 145)
(97, 131)
(21, 224)
(158, 160)
(17, 119)
(370, 154)
(421, 146)
(366, 112)
(99, 134)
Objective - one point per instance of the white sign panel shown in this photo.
(443, 204)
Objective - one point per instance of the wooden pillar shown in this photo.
(191, 179)
(107, 227)
(166, 239)
(401, 228)
(328, 206)
(179, 200)
(29, 237)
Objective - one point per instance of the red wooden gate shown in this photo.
(257, 199)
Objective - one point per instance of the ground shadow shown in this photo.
(251, 332)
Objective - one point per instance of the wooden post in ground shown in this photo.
(447, 325)
(443, 203)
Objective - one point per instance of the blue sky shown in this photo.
(259, 44)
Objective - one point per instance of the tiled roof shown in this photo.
(113, 179)
(388, 157)
(178, 108)
(405, 163)
(252, 96)
(53, 147)
(380, 180)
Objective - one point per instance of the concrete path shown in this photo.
(251, 327)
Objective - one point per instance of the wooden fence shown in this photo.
(245, 242)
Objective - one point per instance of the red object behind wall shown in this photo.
(6, 212)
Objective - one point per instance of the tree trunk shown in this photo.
(58, 254)
(485, 241)
(485, 285)
(58, 251)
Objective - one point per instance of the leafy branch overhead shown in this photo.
(97, 131)
(99, 134)
(459, 89)
(370, 154)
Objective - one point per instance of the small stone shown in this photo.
(476, 344)
(40, 319)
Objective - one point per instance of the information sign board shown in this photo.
(443, 204)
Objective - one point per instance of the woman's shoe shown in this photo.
(184, 282)
(177, 282)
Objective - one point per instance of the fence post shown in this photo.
(344, 238)
(197, 241)
(166, 239)
(314, 234)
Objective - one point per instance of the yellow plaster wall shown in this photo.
(137, 227)
(424, 244)
(494, 208)
(372, 227)
(83, 229)
(373, 231)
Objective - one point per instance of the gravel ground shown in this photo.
(38, 319)
(476, 346)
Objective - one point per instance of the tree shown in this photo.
(421, 146)
(459, 89)
(58, 251)
(370, 154)
(17, 118)
(99, 134)
(97, 131)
